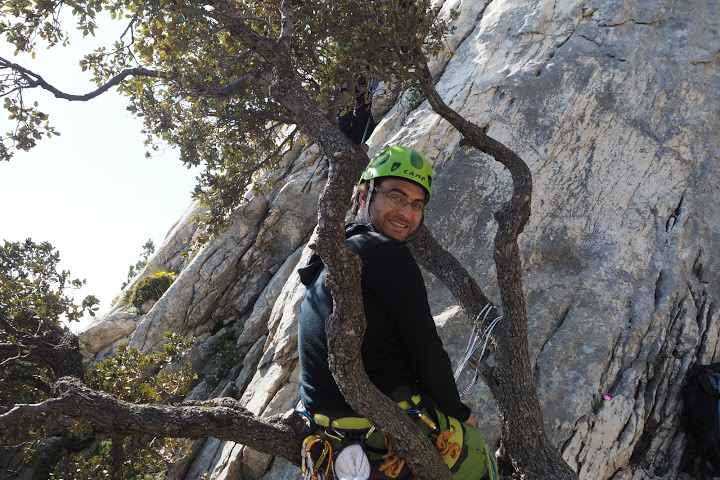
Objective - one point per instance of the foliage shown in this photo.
(33, 296)
(201, 86)
(226, 357)
(93, 463)
(33, 304)
(140, 463)
(148, 249)
(413, 99)
(143, 378)
(31, 125)
(598, 401)
(150, 288)
(159, 377)
(83, 452)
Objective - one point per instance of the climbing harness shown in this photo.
(475, 342)
(348, 434)
(352, 433)
(342, 445)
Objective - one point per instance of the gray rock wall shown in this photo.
(614, 105)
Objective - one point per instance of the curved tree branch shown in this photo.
(287, 21)
(62, 354)
(34, 80)
(221, 418)
(264, 46)
(441, 263)
(524, 437)
(34, 409)
(6, 380)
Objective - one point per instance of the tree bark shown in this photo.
(59, 351)
(221, 418)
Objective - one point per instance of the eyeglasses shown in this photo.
(416, 206)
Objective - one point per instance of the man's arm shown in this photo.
(471, 421)
(405, 295)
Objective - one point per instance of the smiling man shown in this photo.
(401, 350)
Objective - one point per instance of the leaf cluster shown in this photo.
(159, 377)
(141, 460)
(31, 125)
(225, 350)
(33, 305)
(33, 293)
(24, 22)
(145, 378)
(80, 450)
(150, 288)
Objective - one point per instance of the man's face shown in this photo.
(393, 220)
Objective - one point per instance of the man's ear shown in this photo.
(362, 198)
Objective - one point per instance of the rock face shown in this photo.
(614, 106)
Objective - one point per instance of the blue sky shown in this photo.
(90, 192)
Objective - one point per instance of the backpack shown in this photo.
(701, 398)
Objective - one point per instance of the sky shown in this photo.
(90, 192)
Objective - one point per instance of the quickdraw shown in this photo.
(310, 468)
(476, 341)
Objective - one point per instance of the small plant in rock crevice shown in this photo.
(150, 288)
(598, 401)
(413, 98)
(225, 357)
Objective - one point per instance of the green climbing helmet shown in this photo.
(401, 162)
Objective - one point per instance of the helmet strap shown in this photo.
(364, 212)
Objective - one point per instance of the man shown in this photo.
(401, 351)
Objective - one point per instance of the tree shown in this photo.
(233, 85)
(36, 350)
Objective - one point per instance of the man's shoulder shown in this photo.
(375, 247)
(360, 237)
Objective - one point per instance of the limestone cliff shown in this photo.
(614, 106)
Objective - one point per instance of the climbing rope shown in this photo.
(392, 464)
(492, 468)
(475, 342)
(445, 446)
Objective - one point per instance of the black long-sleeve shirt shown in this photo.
(401, 344)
